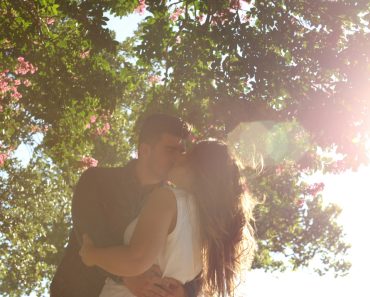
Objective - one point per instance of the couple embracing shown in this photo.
(169, 223)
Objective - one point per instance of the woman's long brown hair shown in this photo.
(223, 218)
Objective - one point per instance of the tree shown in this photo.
(275, 79)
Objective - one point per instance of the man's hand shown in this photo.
(146, 284)
(174, 287)
(151, 284)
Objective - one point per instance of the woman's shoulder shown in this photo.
(170, 194)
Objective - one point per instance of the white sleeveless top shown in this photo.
(180, 258)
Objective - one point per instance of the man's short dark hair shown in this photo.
(154, 125)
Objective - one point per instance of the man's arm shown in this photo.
(88, 214)
(73, 278)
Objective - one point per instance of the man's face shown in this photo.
(163, 155)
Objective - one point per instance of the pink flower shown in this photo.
(50, 21)
(1, 108)
(93, 119)
(24, 67)
(201, 19)
(314, 189)
(87, 162)
(4, 86)
(85, 54)
(32, 69)
(35, 128)
(3, 157)
(153, 79)
(220, 18)
(17, 82)
(16, 95)
(106, 126)
(279, 170)
(300, 202)
(104, 130)
(99, 131)
(27, 83)
(192, 137)
(141, 7)
(88, 126)
(175, 15)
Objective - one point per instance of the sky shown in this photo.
(350, 190)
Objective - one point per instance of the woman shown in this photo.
(197, 225)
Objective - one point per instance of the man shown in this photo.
(106, 200)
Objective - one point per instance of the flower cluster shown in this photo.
(141, 7)
(24, 67)
(9, 83)
(85, 54)
(221, 17)
(175, 15)
(201, 19)
(101, 127)
(37, 128)
(154, 79)
(314, 189)
(87, 162)
(50, 21)
(4, 155)
(104, 130)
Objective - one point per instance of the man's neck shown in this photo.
(144, 176)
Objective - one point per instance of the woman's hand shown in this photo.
(87, 251)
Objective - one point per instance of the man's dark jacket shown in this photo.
(105, 201)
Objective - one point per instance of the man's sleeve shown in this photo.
(73, 278)
(193, 287)
(88, 210)
(89, 213)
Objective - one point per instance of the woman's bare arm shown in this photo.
(156, 220)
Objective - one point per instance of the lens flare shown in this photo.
(268, 143)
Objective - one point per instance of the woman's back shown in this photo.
(180, 258)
